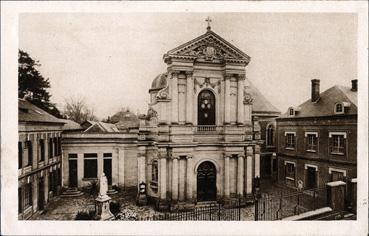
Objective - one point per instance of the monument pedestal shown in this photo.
(103, 208)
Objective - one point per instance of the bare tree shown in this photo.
(77, 110)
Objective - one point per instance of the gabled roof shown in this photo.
(27, 112)
(326, 104)
(98, 126)
(260, 105)
(196, 48)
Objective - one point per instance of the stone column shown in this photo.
(257, 161)
(100, 164)
(227, 100)
(189, 97)
(240, 105)
(189, 176)
(80, 169)
(175, 179)
(175, 97)
(240, 172)
(46, 186)
(35, 193)
(35, 146)
(336, 195)
(163, 177)
(249, 170)
(46, 148)
(226, 177)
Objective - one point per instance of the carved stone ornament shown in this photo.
(247, 98)
(206, 83)
(151, 113)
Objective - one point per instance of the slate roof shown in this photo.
(27, 112)
(71, 125)
(260, 103)
(326, 103)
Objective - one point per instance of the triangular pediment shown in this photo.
(209, 47)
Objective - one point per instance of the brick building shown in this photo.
(39, 158)
(317, 140)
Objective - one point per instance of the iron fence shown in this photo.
(270, 208)
(212, 212)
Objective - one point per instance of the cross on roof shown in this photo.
(208, 19)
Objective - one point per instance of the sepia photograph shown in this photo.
(129, 115)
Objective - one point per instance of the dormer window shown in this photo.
(338, 109)
(291, 111)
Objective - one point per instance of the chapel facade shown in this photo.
(198, 142)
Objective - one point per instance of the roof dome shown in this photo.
(159, 82)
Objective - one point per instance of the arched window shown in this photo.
(270, 133)
(206, 108)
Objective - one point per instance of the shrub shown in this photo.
(85, 215)
(94, 188)
(114, 207)
(116, 188)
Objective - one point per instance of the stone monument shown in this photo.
(103, 200)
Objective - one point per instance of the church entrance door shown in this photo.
(206, 108)
(206, 182)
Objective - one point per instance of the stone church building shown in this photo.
(199, 141)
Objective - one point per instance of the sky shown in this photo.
(110, 60)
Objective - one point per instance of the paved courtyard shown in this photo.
(66, 208)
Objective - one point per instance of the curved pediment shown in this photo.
(208, 47)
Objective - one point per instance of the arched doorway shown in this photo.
(206, 182)
(206, 108)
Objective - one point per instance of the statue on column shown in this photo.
(103, 200)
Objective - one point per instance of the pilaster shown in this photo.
(174, 97)
(189, 97)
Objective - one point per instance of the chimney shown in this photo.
(354, 85)
(315, 90)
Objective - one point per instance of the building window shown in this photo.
(290, 170)
(337, 144)
(338, 108)
(154, 171)
(50, 148)
(30, 153)
(270, 137)
(20, 205)
(90, 165)
(291, 112)
(20, 155)
(27, 195)
(42, 150)
(55, 147)
(337, 174)
(291, 140)
(59, 146)
(311, 142)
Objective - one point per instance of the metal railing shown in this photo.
(279, 207)
(212, 212)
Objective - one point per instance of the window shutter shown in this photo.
(330, 144)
